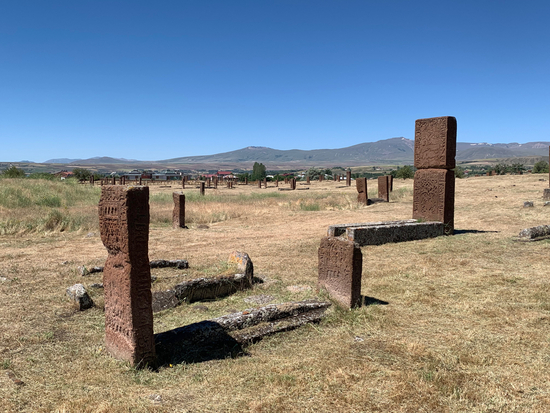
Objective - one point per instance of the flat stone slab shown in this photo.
(379, 233)
(534, 233)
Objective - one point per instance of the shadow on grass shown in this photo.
(365, 300)
(196, 343)
(470, 231)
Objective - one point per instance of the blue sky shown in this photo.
(155, 80)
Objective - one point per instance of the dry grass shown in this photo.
(466, 328)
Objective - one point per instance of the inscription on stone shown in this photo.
(178, 214)
(124, 227)
(384, 188)
(340, 269)
(433, 197)
(435, 143)
(362, 196)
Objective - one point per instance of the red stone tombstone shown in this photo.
(178, 214)
(201, 186)
(321, 177)
(124, 227)
(435, 143)
(246, 180)
(384, 188)
(362, 196)
(265, 182)
(348, 178)
(308, 181)
(390, 181)
(340, 270)
(114, 181)
(433, 200)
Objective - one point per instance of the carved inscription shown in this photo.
(435, 143)
(433, 198)
(124, 227)
(340, 269)
(362, 196)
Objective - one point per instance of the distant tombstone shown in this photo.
(286, 180)
(293, 183)
(321, 177)
(208, 182)
(308, 181)
(114, 181)
(260, 183)
(246, 180)
(340, 270)
(216, 182)
(384, 188)
(92, 180)
(124, 228)
(338, 178)
(390, 180)
(348, 178)
(140, 181)
(276, 183)
(488, 174)
(201, 186)
(362, 197)
(182, 182)
(178, 214)
(265, 182)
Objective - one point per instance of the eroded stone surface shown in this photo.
(384, 188)
(340, 269)
(124, 226)
(362, 196)
(435, 143)
(394, 232)
(433, 198)
(178, 214)
(80, 297)
(348, 178)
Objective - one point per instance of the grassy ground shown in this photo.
(466, 327)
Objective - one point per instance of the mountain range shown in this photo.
(387, 151)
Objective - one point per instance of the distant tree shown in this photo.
(541, 167)
(328, 172)
(81, 174)
(517, 168)
(406, 172)
(313, 173)
(258, 171)
(243, 177)
(501, 168)
(459, 172)
(13, 172)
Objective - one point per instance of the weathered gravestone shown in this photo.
(362, 196)
(348, 178)
(265, 182)
(384, 188)
(340, 269)
(434, 181)
(308, 180)
(124, 227)
(178, 214)
(201, 186)
(390, 182)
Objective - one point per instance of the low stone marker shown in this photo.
(178, 214)
(124, 227)
(534, 233)
(340, 269)
(384, 188)
(362, 196)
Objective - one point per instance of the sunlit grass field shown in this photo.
(466, 327)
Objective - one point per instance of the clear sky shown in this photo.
(152, 80)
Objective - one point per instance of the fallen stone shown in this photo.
(340, 229)
(80, 296)
(164, 300)
(96, 285)
(169, 263)
(391, 232)
(85, 271)
(210, 288)
(528, 204)
(534, 233)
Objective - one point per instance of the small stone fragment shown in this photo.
(80, 296)
(96, 285)
(528, 204)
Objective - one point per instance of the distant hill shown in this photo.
(392, 151)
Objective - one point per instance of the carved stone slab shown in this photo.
(384, 188)
(434, 196)
(340, 269)
(348, 178)
(124, 227)
(178, 214)
(361, 184)
(435, 143)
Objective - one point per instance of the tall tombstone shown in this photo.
(246, 180)
(308, 180)
(348, 178)
(362, 196)
(434, 180)
(338, 178)
(390, 182)
(293, 183)
(215, 182)
(384, 188)
(92, 180)
(265, 182)
(208, 182)
(277, 183)
(286, 180)
(182, 182)
(124, 228)
(321, 177)
(340, 270)
(178, 214)
(201, 186)
(114, 181)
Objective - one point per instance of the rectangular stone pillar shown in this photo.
(178, 214)
(201, 186)
(434, 196)
(390, 180)
(434, 181)
(340, 270)
(362, 196)
(124, 228)
(308, 180)
(265, 182)
(384, 188)
(348, 178)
